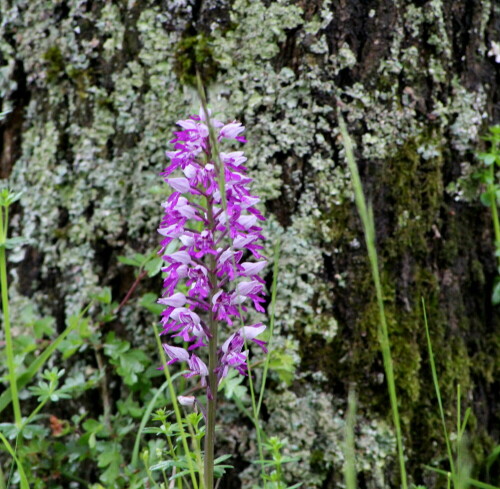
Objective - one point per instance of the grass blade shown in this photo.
(271, 323)
(349, 451)
(366, 215)
(438, 391)
(22, 474)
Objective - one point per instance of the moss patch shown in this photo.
(55, 63)
(194, 52)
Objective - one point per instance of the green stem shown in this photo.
(438, 391)
(494, 209)
(367, 220)
(210, 437)
(255, 417)
(195, 444)
(6, 320)
(212, 365)
(2, 478)
(222, 189)
(271, 323)
(349, 446)
(20, 468)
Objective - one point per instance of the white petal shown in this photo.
(225, 256)
(250, 332)
(187, 124)
(180, 184)
(231, 130)
(176, 352)
(190, 171)
(253, 268)
(176, 300)
(245, 288)
(247, 221)
(186, 400)
(186, 240)
(180, 257)
(242, 241)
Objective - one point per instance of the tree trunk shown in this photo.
(93, 91)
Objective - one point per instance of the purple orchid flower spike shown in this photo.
(213, 276)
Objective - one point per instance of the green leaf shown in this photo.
(108, 457)
(34, 431)
(129, 407)
(9, 429)
(6, 196)
(115, 347)
(492, 457)
(132, 363)
(129, 261)
(487, 158)
(110, 475)
(486, 199)
(92, 425)
(284, 365)
(44, 326)
(222, 458)
(232, 385)
(481, 485)
(163, 465)
(104, 296)
(153, 266)
(149, 302)
(495, 130)
(220, 470)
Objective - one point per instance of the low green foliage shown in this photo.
(275, 463)
(491, 195)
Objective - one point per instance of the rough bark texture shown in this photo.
(94, 90)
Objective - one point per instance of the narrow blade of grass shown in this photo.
(271, 323)
(349, 450)
(20, 468)
(472, 482)
(367, 220)
(436, 387)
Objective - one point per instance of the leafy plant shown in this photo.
(490, 197)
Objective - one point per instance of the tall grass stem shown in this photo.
(493, 205)
(367, 220)
(274, 289)
(349, 449)
(438, 391)
(6, 317)
(22, 474)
